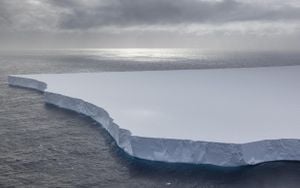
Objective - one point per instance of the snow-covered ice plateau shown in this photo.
(223, 117)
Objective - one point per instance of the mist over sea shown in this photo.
(44, 146)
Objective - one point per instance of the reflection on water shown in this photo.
(162, 58)
(43, 146)
(151, 54)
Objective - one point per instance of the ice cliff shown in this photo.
(224, 117)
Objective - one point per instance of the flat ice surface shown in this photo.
(219, 105)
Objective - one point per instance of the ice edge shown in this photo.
(172, 150)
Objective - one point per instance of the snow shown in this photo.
(226, 117)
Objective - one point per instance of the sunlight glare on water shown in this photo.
(149, 54)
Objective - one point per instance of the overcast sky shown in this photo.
(210, 24)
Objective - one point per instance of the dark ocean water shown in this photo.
(44, 146)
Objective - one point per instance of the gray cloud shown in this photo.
(93, 14)
(20, 15)
(167, 12)
(5, 15)
(150, 23)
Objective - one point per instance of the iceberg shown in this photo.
(223, 117)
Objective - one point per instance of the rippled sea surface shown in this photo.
(44, 146)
